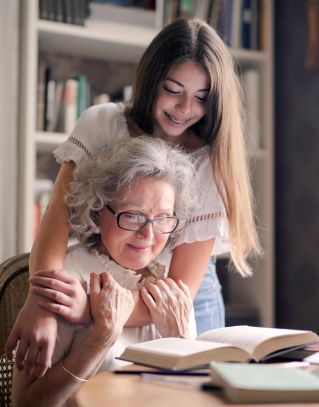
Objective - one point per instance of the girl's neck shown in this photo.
(188, 140)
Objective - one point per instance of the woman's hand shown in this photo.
(111, 305)
(62, 294)
(170, 305)
(35, 330)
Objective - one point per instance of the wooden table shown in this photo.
(108, 389)
(113, 390)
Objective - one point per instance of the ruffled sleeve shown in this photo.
(209, 219)
(96, 127)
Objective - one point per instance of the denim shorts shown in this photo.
(208, 304)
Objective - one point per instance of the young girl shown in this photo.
(185, 92)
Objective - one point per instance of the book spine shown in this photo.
(251, 85)
(50, 105)
(254, 32)
(41, 97)
(82, 94)
(70, 104)
(246, 23)
(236, 24)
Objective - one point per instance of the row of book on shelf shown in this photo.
(78, 11)
(239, 22)
(236, 21)
(64, 11)
(61, 102)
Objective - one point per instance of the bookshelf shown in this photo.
(125, 42)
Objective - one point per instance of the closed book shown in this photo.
(237, 344)
(260, 383)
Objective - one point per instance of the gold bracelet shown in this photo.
(76, 378)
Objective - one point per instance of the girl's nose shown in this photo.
(184, 104)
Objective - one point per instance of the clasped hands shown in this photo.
(109, 306)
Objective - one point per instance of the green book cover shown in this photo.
(264, 382)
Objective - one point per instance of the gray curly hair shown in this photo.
(98, 179)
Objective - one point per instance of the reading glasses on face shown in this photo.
(136, 221)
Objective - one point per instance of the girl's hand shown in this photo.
(61, 294)
(111, 305)
(170, 305)
(35, 330)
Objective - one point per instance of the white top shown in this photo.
(79, 262)
(105, 124)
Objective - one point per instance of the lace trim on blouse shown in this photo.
(127, 276)
(79, 144)
(206, 216)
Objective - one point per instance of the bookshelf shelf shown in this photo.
(113, 42)
(116, 41)
(44, 137)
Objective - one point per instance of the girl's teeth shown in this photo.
(175, 120)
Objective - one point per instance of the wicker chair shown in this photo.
(13, 292)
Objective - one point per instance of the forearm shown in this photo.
(83, 362)
(50, 245)
(189, 263)
(140, 315)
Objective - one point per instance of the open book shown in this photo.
(264, 383)
(235, 344)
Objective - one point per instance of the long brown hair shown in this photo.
(221, 127)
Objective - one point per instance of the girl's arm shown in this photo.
(110, 305)
(51, 243)
(37, 337)
(189, 263)
(62, 294)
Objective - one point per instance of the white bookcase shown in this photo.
(126, 43)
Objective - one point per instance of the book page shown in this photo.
(246, 337)
(175, 346)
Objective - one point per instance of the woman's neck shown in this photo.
(144, 272)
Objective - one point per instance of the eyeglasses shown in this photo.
(136, 221)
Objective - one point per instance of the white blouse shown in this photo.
(105, 124)
(79, 262)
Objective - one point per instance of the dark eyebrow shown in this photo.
(180, 84)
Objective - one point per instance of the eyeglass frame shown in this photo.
(147, 220)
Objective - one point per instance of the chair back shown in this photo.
(14, 286)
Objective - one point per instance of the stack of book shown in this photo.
(64, 11)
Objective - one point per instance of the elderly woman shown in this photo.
(126, 205)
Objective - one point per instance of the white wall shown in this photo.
(9, 30)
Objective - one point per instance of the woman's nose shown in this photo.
(147, 231)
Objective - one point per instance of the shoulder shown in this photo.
(98, 126)
(203, 165)
(106, 114)
(79, 261)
